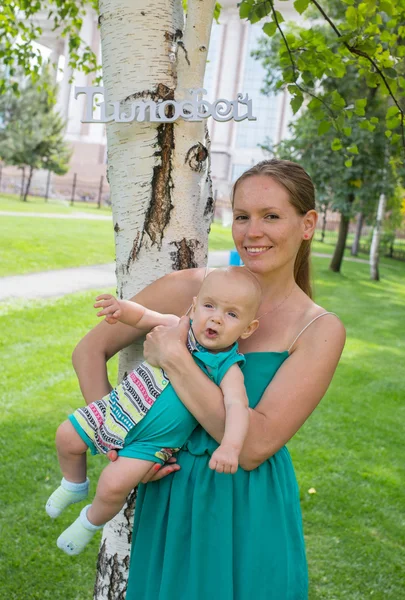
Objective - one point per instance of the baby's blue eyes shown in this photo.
(232, 314)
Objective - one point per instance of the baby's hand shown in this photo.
(111, 308)
(224, 460)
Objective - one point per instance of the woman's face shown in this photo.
(267, 230)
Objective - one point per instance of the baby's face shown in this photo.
(222, 313)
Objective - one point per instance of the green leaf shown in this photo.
(270, 28)
(351, 16)
(387, 7)
(301, 5)
(388, 133)
(245, 8)
(324, 127)
(348, 163)
(296, 103)
(393, 110)
(347, 131)
(353, 149)
(390, 72)
(336, 144)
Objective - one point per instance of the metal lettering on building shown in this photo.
(193, 108)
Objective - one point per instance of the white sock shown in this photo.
(66, 494)
(76, 537)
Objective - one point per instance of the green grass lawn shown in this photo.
(29, 245)
(13, 203)
(350, 450)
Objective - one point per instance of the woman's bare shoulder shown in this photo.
(320, 326)
(172, 293)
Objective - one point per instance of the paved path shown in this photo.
(48, 284)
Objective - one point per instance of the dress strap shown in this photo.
(310, 323)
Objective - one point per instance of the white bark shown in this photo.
(375, 242)
(159, 177)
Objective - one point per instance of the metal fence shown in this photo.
(48, 185)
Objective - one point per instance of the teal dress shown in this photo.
(202, 535)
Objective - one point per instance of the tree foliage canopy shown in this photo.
(31, 130)
(368, 37)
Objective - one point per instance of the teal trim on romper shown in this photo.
(83, 435)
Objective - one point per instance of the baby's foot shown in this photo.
(66, 494)
(76, 537)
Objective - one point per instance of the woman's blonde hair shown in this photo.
(301, 192)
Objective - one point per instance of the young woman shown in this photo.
(199, 534)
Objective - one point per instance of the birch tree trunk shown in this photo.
(375, 242)
(159, 176)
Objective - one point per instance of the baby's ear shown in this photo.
(251, 328)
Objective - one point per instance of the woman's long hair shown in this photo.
(301, 192)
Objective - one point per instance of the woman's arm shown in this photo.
(293, 394)
(296, 390)
(170, 294)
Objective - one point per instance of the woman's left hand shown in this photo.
(162, 344)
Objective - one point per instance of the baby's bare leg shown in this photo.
(71, 453)
(74, 486)
(114, 485)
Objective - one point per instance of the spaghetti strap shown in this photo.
(205, 275)
(310, 323)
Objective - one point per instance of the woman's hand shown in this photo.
(164, 344)
(159, 471)
(156, 472)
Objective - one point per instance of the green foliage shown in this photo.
(31, 131)
(364, 169)
(20, 26)
(365, 37)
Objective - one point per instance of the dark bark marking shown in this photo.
(143, 13)
(196, 157)
(184, 255)
(117, 582)
(117, 228)
(209, 207)
(161, 92)
(182, 46)
(158, 214)
(129, 512)
(134, 251)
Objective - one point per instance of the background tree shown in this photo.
(369, 38)
(31, 130)
(352, 180)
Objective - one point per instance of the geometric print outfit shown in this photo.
(130, 420)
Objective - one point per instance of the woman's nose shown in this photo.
(254, 229)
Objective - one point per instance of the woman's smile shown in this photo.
(255, 250)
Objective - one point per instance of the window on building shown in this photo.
(266, 109)
(237, 171)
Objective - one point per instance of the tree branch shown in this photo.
(357, 52)
(299, 86)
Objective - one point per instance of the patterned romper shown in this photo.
(128, 419)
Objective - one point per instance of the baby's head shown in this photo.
(226, 307)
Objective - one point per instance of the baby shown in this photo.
(142, 418)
